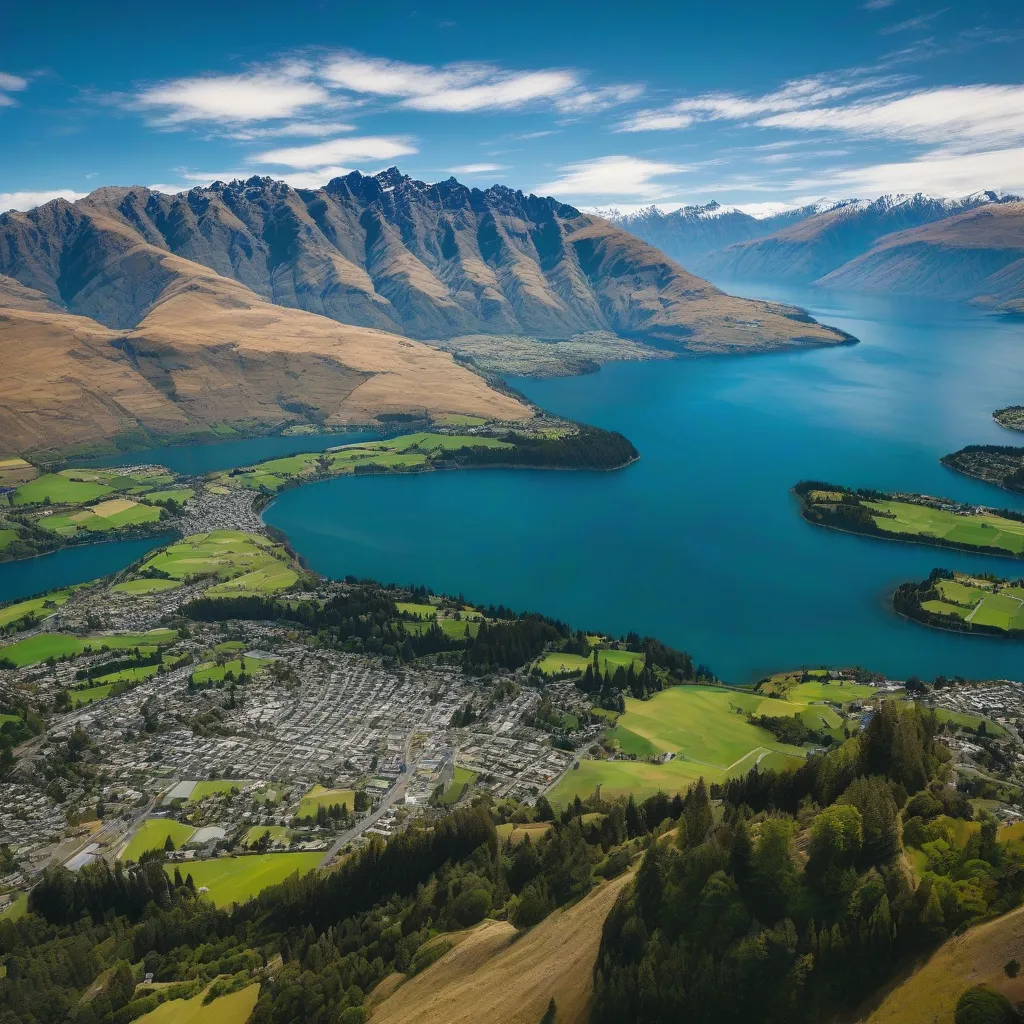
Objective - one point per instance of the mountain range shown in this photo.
(968, 249)
(135, 312)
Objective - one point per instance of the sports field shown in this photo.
(38, 648)
(237, 879)
(234, 1008)
(998, 603)
(236, 563)
(552, 664)
(37, 606)
(921, 521)
(318, 796)
(152, 835)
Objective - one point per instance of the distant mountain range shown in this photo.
(254, 302)
(969, 249)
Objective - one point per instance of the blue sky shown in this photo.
(754, 104)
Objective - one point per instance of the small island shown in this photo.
(1002, 465)
(1012, 417)
(913, 518)
(975, 603)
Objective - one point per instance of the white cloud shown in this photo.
(877, 5)
(29, 200)
(10, 83)
(610, 176)
(953, 115)
(509, 90)
(296, 129)
(593, 101)
(363, 147)
(170, 190)
(252, 96)
(314, 179)
(793, 95)
(940, 172)
(477, 168)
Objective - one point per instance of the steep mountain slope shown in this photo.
(692, 232)
(977, 256)
(204, 351)
(818, 245)
(385, 251)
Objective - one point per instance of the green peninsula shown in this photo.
(982, 604)
(1002, 465)
(917, 518)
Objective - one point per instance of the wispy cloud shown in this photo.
(611, 176)
(877, 5)
(593, 101)
(352, 148)
(296, 129)
(28, 200)
(8, 84)
(911, 23)
(478, 168)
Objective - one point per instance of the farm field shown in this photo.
(462, 779)
(987, 530)
(318, 797)
(37, 606)
(153, 833)
(837, 691)
(80, 486)
(209, 787)
(237, 563)
(38, 648)
(552, 664)
(234, 1008)
(237, 879)
(998, 603)
(92, 693)
(111, 514)
(145, 586)
(14, 471)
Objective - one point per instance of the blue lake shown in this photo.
(700, 542)
(70, 565)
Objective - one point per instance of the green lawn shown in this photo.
(278, 833)
(237, 879)
(60, 490)
(423, 611)
(144, 586)
(461, 780)
(38, 648)
(7, 537)
(18, 909)
(40, 606)
(551, 664)
(234, 1008)
(178, 494)
(987, 530)
(236, 563)
(318, 796)
(971, 721)
(93, 693)
(210, 672)
(152, 835)
(836, 691)
(209, 787)
(103, 516)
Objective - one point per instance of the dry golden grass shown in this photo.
(112, 507)
(930, 994)
(489, 977)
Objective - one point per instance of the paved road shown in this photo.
(397, 790)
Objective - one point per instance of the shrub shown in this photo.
(983, 1005)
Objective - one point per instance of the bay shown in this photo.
(700, 542)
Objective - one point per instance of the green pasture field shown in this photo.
(920, 521)
(278, 833)
(16, 910)
(7, 537)
(209, 787)
(211, 672)
(999, 604)
(703, 724)
(38, 648)
(93, 693)
(145, 586)
(836, 691)
(40, 606)
(463, 777)
(971, 721)
(103, 516)
(609, 660)
(456, 628)
(59, 490)
(234, 1008)
(318, 797)
(178, 494)
(152, 835)
(454, 419)
(231, 645)
(425, 611)
(237, 879)
(240, 563)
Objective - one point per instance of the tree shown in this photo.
(835, 840)
(550, 1013)
(168, 844)
(983, 1005)
(697, 816)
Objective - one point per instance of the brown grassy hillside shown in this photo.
(493, 977)
(930, 994)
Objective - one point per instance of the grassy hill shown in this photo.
(489, 977)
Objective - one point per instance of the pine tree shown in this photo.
(697, 816)
(549, 1014)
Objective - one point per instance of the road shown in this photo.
(397, 790)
